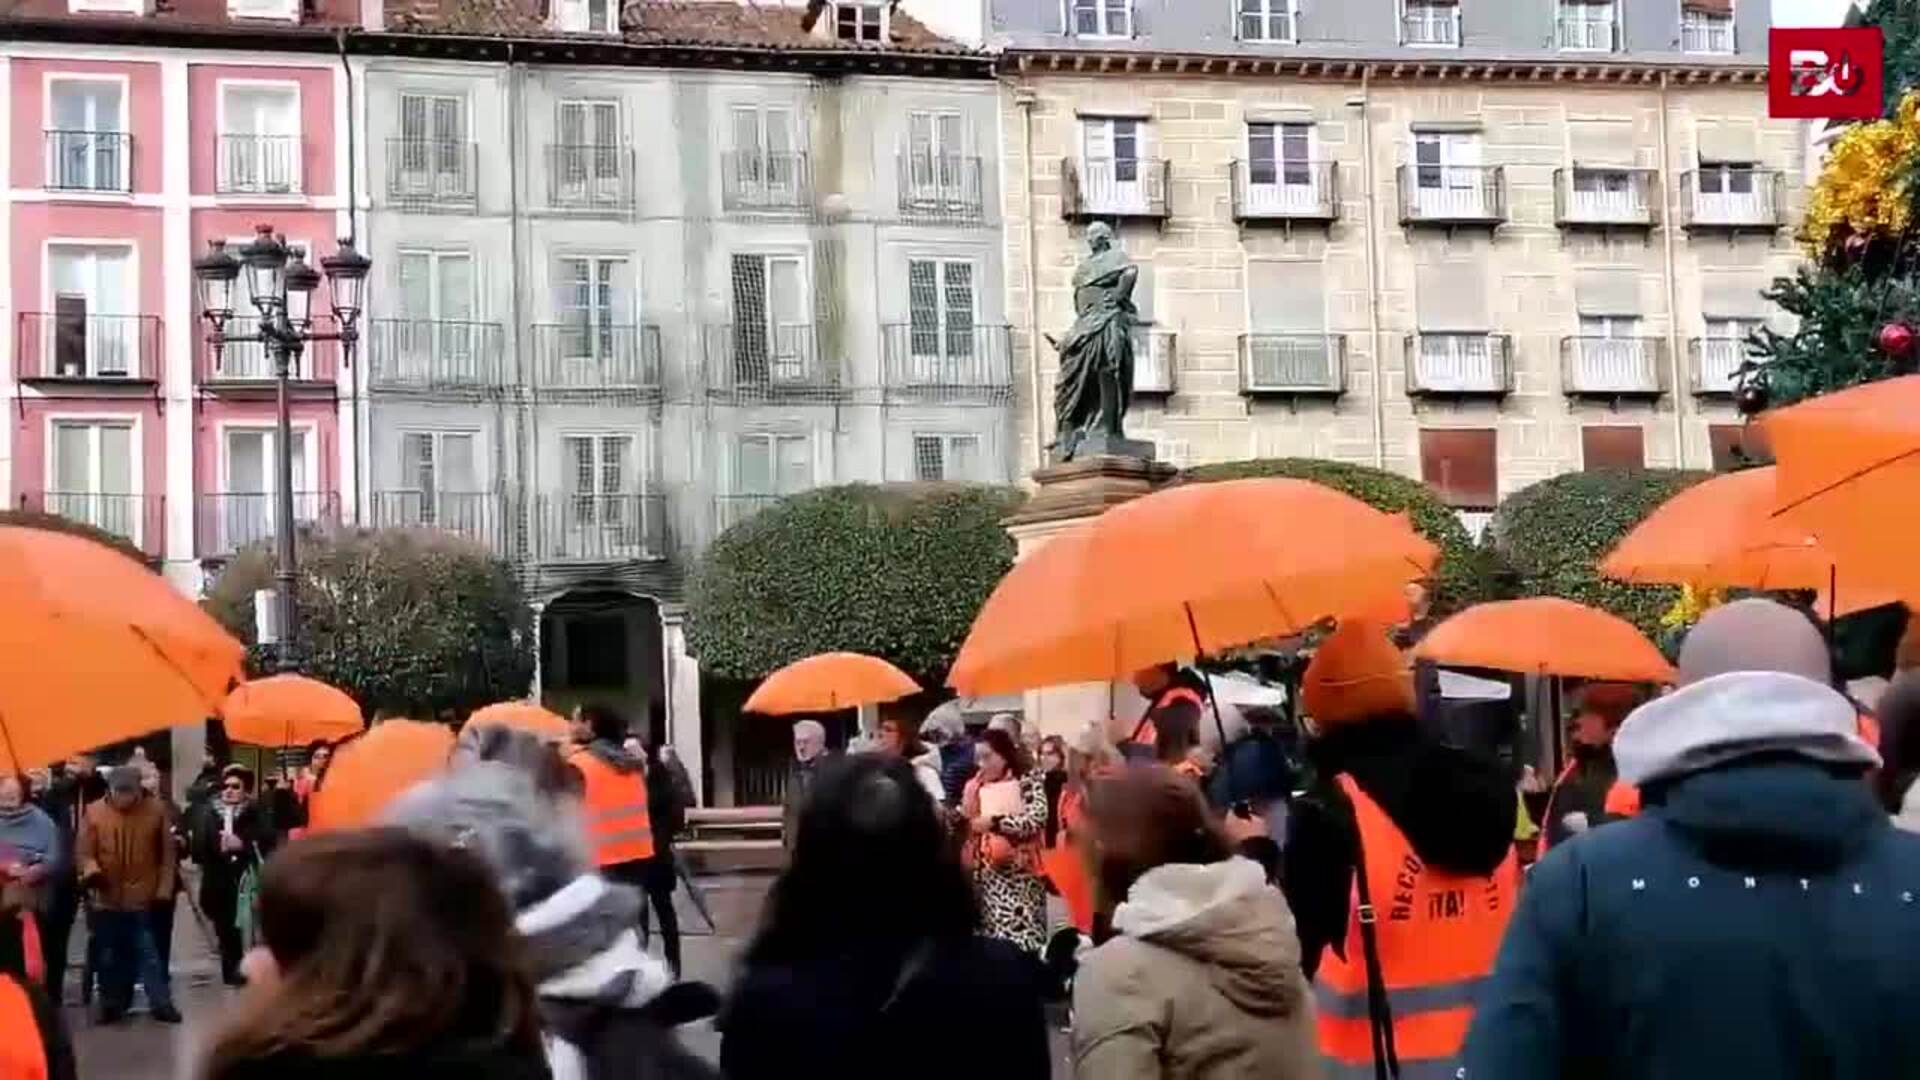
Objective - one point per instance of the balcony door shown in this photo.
(259, 139)
(589, 152)
(605, 500)
(86, 136)
(773, 333)
(1280, 175)
(250, 479)
(766, 467)
(1613, 355)
(436, 329)
(1730, 192)
(94, 330)
(940, 309)
(440, 481)
(766, 159)
(1448, 179)
(1607, 195)
(1113, 170)
(935, 153)
(433, 145)
(594, 297)
(92, 476)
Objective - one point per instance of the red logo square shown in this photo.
(1816, 73)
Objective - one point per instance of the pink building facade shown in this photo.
(122, 162)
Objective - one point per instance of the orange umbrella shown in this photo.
(525, 715)
(1191, 569)
(96, 648)
(369, 771)
(289, 710)
(830, 681)
(1849, 464)
(1545, 635)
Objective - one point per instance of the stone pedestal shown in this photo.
(1069, 496)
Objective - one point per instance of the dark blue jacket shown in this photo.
(1760, 920)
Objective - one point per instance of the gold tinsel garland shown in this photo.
(1864, 182)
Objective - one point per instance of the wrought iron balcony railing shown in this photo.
(73, 347)
(1453, 194)
(1293, 364)
(1732, 198)
(1592, 366)
(577, 357)
(250, 364)
(487, 518)
(756, 358)
(1602, 197)
(933, 359)
(731, 510)
(1114, 188)
(1283, 191)
(1459, 364)
(941, 187)
(1715, 364)
(227, 522)
(258, 165)
(428, 174)
(1155, 361)
(592, 178)
(599, 528)
(91, 161)
(766, 182)
(430, 354)
(140, 520)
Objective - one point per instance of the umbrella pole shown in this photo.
(1219, 725)
(13, 755)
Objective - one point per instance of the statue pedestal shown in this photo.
(1070, 495)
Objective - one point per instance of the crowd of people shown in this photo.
(1727, 886)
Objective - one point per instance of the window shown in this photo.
(1280, 154)
(1721, 353)
(770, 464)
(433, 144)
(1727, 178)
(595, 299)
(1610, 355)
(1732, 192)
(1610, 326)
(1460, 465)
(437, 331)
(1607, 195)
(860, 22)
(1706, 26)
(936, 145)
(87, 143)
(1102, 18)
(772, 334)
(946, 457)
(1430, 22)
(259, 139)
(1737, 446)
(92, 475)
(1114, 172)
(93, 330)
(589, 149)
(250, 470)
(766, 159)
(1613, 446)
(940, 308)
(1586, 25)
(587, 16)
(439, 470)
(1266, 20)
(1448, 178)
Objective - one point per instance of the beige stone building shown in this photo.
(1481, 272)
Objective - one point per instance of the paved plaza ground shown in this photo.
(139, 1049)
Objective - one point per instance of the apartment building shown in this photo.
(1481, 242)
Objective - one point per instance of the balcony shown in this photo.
(72, 347)
(731, 510)
(1155, 361)
(1602, 198)
(1293, 365)
(96, 162)
(258, 165)
(755, 181)
(1285, 192)
(1576, 34)
(587, 528)
(571, 357)
(1126, 188)
(753, 359)
(486, 518)
(1459, 364)
(942, 187)
(1715, 364)
(433, 174)
(425, 355)
(1706, 34)
(1453, 195)
(227, 522)
(247, 366)
(1732, 199)
(140, 520)
(590, 179)
(1613, 367)
(932, 362)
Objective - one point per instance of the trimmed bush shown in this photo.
(897, 571)
(1553, 535)
(34, 519)
(1467, 573)
(412, 621)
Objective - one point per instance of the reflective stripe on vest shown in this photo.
(615, 807)
(23, 1054)
(1438, 934)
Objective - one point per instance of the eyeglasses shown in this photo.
(234, 785)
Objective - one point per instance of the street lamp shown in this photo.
(280, 285)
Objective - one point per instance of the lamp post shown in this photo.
(280, 286)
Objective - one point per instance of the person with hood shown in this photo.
(1396, 947)
(899, 740)
(618, 813)
(1578, 799)
(29, 856)
(607, 1006)
(126, 859)
(1759, 919)
(1202, 977)
(869, 959)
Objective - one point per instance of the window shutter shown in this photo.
(1607, 292)
(457, 467)
(1286, 297)
(1460, 464)
(1452, 297)
(413, 118)
(1613, 446)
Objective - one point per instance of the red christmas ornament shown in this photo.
(1896, 340)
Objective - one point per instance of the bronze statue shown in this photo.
(1094, 388)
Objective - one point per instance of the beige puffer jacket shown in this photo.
(1202, 982)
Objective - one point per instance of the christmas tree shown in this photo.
(1857, 301)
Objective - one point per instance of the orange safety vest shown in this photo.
(1147, 734)
(616, 811)
(23, 1053)
(1437, 935)
(1623, 800)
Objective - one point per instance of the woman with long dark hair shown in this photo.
(1003, 845)
(869, 953)
(384, 955)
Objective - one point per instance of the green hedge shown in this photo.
(1467, 573)
(411, 621)
(1553, 535)
(897, 571)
